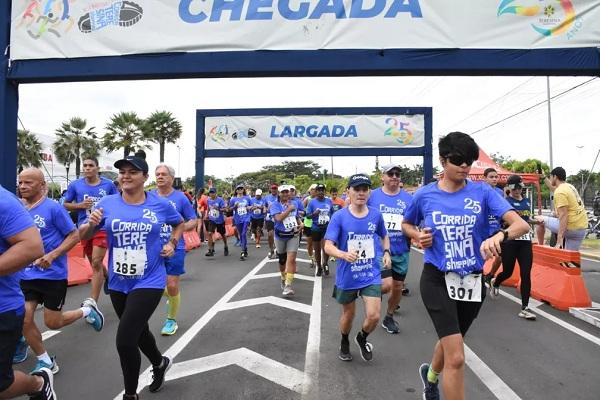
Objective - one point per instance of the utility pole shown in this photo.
(549, 121)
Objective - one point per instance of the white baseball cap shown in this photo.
(258, 192)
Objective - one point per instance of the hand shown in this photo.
(87, 204)
(45, 261)
(168, 250)
(425, 238)
(316, 213)
(387, 260)
(351, 257)
(491, 246)
(96, 217)
(291, 207)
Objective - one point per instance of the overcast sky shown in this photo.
(467, 104)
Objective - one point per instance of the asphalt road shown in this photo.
(238, 339)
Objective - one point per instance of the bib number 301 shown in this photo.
(466, 288)
(129, 262)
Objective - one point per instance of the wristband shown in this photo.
(174, 242)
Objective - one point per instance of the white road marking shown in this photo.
(281, 374)
(493, 382)
(276, 301)
(48, 334)
(313, 344)
(277, 274)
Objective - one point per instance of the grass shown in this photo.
(591, 244)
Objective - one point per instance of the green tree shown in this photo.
(74, 137)
(162, 128)
(125, 131)
(29, 148)
(65, 157)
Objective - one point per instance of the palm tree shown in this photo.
(64, 156)
(29, 148)
(161, 127)
(125, 131)
(73, 137)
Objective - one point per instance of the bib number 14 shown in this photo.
(466, 288)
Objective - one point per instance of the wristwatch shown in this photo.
(505, 233)
(174, 242)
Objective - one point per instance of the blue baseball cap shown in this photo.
(359, 180)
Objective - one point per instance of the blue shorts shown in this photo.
(175, 264)
(399, 267)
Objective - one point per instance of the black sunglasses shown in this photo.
(459, 159)
(392, 174)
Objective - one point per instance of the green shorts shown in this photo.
(348, 296)
(399, 267)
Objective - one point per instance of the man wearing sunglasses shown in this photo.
(391, 201)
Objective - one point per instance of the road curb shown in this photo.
(590, 255)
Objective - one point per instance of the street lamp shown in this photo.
(580, 148)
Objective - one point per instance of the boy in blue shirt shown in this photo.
(319, 210)
(216, 221)
(352, 237)
(241, 216)
(257, 216)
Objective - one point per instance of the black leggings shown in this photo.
(134, 310)
(522, 251)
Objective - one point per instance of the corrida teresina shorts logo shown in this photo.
(549, 17)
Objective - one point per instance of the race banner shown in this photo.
(47, 29)
(314, 131)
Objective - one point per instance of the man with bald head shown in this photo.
(45, 280)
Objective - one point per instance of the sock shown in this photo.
(45, 358)
(165, 293)
(432, 376)
(173, 308)
(86, 311)
(289, 278)
(345, 338)
(282, 275)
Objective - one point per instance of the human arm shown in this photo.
(387, 256)
(86, 231)
(331, 249)
(516, 227)
(25, 247)
(563, 220)
(169, 248)
(67, 244)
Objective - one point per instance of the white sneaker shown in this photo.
(288, 291)
(494, 291)
(527, 314)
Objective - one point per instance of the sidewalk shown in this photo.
(590, 253)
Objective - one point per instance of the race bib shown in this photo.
(129, 262)
(393, 222)
(213, 213)
(526, 236)
(365, 249)
(466, 288)
(290, 223)
(257, 211)
(323, 219)
(242, 211)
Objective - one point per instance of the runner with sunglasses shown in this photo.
(518, 249)
(455, 214)
(392, 201)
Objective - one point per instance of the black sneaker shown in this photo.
(47, 392)
(246, 253)
(158, 374)
(131, 397)
(390, 325)
(326, 269)
(430, 390)
(487, 279)
(345, 352)
(319, 272)
(226, 251)
(366, 349)
(405, 291)
(242, 258)
(210, 253)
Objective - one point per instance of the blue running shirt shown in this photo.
(258, 213)
(54, 224)
(392, 207)
(289, 224)
(363, 234)
(241, 213)
(325, 208)
(214, 210)
(79, 190)
(182, 205)
(459, 222)
(269, 200)
(134, 243)
(14, 219)
(495, 223)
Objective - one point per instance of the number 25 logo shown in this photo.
(149, 214)
(471, 204)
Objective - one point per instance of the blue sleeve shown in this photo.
(381, 230)
(310, 208)
(71, 194)
(221, 203)
(62, 220)
(497, 205)
(188, 210)
(14, 218)
(330, 207)
(333, 229)
(300, 205)
(231, 202)
(275, 209)
(413, 213)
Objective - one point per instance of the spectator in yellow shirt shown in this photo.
(569, 221)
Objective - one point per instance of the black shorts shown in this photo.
(307, 232)
(318, 234)
(270, 226)
(257, 224)
(213, 226)
(50, 293)
(11, 329)
(207, 223)
(449, 316)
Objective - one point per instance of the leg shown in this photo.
(454, 367)
(174, 296)
(509, 257)
(395, 296)
(30, 330)
(98, 271)
(348, 312)
(317, 252)
(372, 312)
(134, 311)
(525, 257)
